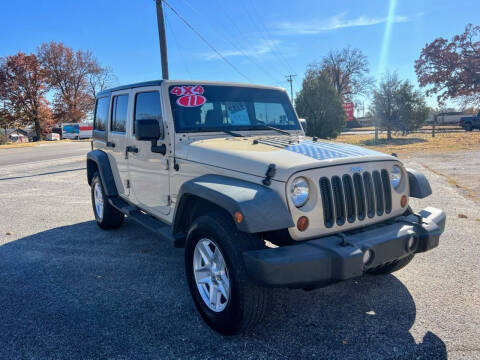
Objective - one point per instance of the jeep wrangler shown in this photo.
(226, 172)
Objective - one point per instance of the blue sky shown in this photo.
(265, 40)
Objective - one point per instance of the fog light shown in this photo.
(302, 223)
(411, 243)
(367, 257)
(403, 201)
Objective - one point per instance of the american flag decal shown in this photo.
(326, 150)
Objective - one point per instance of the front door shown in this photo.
(148, 172)
(117, 140)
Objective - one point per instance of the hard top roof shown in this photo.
(130, 86)
(180, 82)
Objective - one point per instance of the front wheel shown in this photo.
(106, 215)
(222, 292)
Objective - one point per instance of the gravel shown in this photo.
(69, 290)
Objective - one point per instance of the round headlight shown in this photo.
(396, 175)
(299, 191)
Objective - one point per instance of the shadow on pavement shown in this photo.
(79, 292)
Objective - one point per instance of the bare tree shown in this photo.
(101, 80)
(347, 71)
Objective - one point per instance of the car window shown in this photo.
(101, 113)
(217, 108)
(271, 114)
(147, 106)
(119, 113)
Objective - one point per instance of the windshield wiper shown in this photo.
(265, 126)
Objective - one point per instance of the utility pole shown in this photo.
(290, 80)
(162, 39)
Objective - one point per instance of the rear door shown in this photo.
(117, 140)
(148, 172)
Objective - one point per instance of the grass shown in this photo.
(36, 143)
(417, 143)
(424, 128)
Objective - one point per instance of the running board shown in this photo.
(161, 229)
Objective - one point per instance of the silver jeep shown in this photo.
(225, 171)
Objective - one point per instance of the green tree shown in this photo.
(397, 106)
(321, 106)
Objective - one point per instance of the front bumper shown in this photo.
(333, 258)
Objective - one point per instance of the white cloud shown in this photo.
(261, 48)
(333, 23)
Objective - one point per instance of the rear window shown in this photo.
(101, 113)
(119, 113)
(198, 108)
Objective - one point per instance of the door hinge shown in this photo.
(128, 184)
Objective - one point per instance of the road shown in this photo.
(43, 152)
(69, 290)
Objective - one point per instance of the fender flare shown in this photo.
(419, 185)
(262, 208)
(100, 159)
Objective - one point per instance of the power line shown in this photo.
(232, 43)
(170, 27)
(264, 33)
(205, 41)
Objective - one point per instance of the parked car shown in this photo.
(52, 137)
(470, 122)
(225, 171)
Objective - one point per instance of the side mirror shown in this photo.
(147, 130)
(150, 130)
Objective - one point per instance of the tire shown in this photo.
(107, 216)
(468, 126)
(393, 266)
(246, 303)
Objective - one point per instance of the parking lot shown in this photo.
(69, 290)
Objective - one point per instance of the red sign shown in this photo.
(187, 90)
(191, 100)
(348, 107)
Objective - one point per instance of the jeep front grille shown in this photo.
(352, 198)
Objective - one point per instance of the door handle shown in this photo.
(132, 149)
(110, 144)
(128, 149)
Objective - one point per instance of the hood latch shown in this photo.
(269, 174)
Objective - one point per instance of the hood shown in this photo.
(252, 155)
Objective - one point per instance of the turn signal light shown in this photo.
(302, 223)
(238, 216)
(403, 201)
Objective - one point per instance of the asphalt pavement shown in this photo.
(69, 290)
(43, 152)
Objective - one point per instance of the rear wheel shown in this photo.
(393, 266)
(222, 292)
(468, 127)
(106, 215)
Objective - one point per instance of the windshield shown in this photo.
(199, 108)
